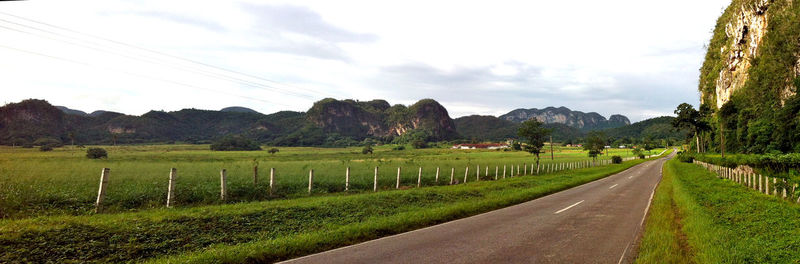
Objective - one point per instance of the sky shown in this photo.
(631, 57)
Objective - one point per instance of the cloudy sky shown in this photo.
(632, 57)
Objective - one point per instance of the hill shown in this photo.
(655, 128)
(238, 109)
(562, 115)
(749, 78)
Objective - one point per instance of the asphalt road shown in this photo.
(598, 222)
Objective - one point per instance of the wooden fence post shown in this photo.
(466, 173)
(496, 171)
(171, 187)
(310, 180)
(538, 166)
(452, 173)
(223, 177)
(525, 171)
(397, 185)
(517, 170)
(486, 173)
(271, 180)
(419, 178)
(766, 185)
(760, 184)
(255, 175)
(504, 171)
(375, 180)
(347, 180)
(477, 172)
(101, 193)
(775, 185)
(437, 175)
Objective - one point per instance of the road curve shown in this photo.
(598, 222)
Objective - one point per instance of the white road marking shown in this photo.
(631, 177)
(612, 186)
(623, 254)
(568, 207)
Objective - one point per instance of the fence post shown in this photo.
(375, 180)
(101, 193)
(504, 171)
(347, 180)
(775, 185)
(271, 180)
(496, 171)
(223, 177)
(517, 170)
(171, 187)
(419, 178)
(466, 173)
(397, 185)
(310, 180)
(784, 188)
(760, 184)
(477, 172)
(766, 185)
(452, 173)
(437, 175)
(525, 171)
(255, 175)
(486, 173)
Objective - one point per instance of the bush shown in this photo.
(27, 145)
(234, 143)
(616, 159)
(96, 153)
(419, 144)
(366, 150)
(686, 157)
(399, 147)
(273, 151)
(47, 147)
(641, 156)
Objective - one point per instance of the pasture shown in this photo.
(64, 181)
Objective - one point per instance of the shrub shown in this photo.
(641, 156)
(233, 143)
(27, 145)
(616, 159)
(399, 147)
(47, 147)
(419, 144)
(273, 151)
(686, 157)
(367, 150)
(96, 153)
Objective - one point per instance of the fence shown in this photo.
(772, 186)
(513, 170)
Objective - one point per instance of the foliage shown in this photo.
(96, 153)
(485, 128)
(231, 143)
(52, 142)
(399, 147)
(616, 159)
(533, 134)
(419, 144)
(47, 147)
(595, 144)
(367, 149)
(273, 151)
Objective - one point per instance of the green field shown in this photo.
(698, 218)
(64, 181)
(268, 231)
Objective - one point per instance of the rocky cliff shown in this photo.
(749, 78)
(563, 115)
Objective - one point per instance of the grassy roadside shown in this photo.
(697, 218)
(267, 231)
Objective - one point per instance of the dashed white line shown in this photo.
(612, 186)
(568, 207)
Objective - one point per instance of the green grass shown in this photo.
(718, 221)
(271, 230)
(63, 181)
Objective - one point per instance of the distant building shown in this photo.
(481, 146)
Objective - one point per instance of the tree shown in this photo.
(690, 119)
(273, 151)
(534, 135)
(595, 143)
(229, 143)
(96, 153)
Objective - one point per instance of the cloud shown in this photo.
(301, 20)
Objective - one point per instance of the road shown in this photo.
(598, 222)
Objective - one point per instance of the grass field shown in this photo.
(267, 231)
(698, 218)
(63, 181)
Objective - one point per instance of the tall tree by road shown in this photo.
(690, 119)
(595, 143)
(534, 135)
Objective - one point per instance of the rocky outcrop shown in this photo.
(563, 115)
(744, 32)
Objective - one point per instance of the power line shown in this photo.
(165, 54)
(150, 59)
(134, 74)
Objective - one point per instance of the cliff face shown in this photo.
(563, 115)
(737, 50)
(376, 118)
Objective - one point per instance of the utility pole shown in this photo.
(552, 157)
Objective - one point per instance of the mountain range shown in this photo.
(329, 122)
